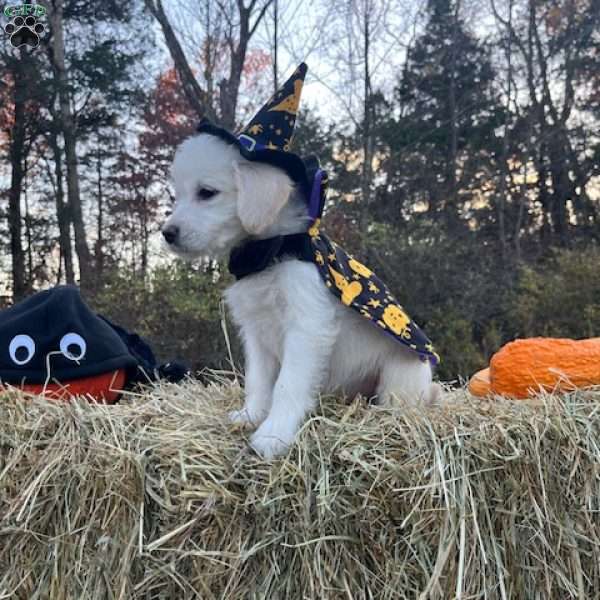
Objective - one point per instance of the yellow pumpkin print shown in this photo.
(349, 290)
(360, 268)
(314, 230)
(357, 287)
(396, 319)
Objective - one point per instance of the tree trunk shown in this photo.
(229, 88)
(28, 237)
(451, 204)
(562, 188)
(67, 122)
(99, 250)
(366, 175)
(17, 150)
(191, 88)
(145, 235)
(62, 212)
(504, 166)
(275, 45)
(367, 110)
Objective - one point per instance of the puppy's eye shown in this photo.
(206, 193)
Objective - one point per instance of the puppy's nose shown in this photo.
(170, 233)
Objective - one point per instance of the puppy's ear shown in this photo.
(263, 191)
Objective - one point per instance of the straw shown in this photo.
(161, 497)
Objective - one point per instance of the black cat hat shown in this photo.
(52, 341)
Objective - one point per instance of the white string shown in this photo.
(48, 368)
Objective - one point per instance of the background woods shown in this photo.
(462, 139)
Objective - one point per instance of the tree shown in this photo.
(95, 83)
(21, 91)
(556, 51)
(444, 137)
(228, 29)
(68, 128)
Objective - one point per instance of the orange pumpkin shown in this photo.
(523, 368)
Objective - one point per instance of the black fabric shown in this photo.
(256, 255)
(147, 367)
(47, 317)
(44, 319)
(353, 284)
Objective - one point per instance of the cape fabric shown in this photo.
(351, 282)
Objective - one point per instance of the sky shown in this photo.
(322, 34)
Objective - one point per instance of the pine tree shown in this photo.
(447, 115)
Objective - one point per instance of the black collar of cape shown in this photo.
(255, 256)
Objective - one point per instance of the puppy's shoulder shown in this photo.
(286, 280)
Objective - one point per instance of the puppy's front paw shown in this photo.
(245, 416)
(270, 442)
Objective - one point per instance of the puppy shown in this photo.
(299, 340)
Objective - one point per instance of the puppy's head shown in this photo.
(220, 198)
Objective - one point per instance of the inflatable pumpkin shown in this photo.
(523, 368)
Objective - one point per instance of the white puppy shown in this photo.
(299, 340)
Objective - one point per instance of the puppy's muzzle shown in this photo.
(171, 234)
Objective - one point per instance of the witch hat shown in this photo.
(268, 136)
(273, 125)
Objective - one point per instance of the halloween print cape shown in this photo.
(359, 288)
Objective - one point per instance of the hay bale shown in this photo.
(159, 497)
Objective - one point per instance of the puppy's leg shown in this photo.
(261, 372)
(305, 359)
(405, 378)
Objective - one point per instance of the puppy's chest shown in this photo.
(257, 301)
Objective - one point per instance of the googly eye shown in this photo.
(21, 349)
(73, 346)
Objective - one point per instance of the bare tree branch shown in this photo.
(195, 95)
